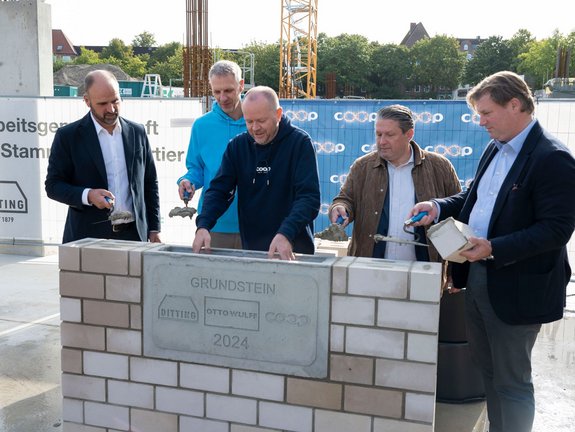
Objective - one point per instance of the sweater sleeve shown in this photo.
(220, 194)
(306, 202)
(194, 162)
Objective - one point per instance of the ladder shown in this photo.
(152, 86)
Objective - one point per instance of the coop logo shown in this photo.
(301, 115)
(324, 208)
(470, 118)
(368, 148)
(355, 116)
(338, 178)
(328, 147)
(12, 198)
(450, 150)
(426, 117)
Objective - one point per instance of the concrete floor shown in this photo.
(30, 398)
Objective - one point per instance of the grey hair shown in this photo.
(401, 114)
(224, 68)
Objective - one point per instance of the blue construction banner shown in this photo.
(343, 130)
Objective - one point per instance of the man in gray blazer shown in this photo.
(104, 162)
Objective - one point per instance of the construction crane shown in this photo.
(197, 55)
(298, 49)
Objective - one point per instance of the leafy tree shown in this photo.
(348, 56)
(493, 55)
(519, 44)
(164, 52)
(171, 70)
(266, 63)
(437, 65)
(539, 61)
(87, 57)
(390, 67)
(144, 39)
(117, 49)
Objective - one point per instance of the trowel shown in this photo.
(114, 215)
(183, 211)
(407, 223)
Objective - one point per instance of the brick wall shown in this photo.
(381, 372)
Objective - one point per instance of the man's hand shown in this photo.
(203, 238)
(481, 250)
(427, 206)
(185, 185)
(154, 237)
(338, 211)
(282, 246)
(97, 197)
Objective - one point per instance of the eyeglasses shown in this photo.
(262, 168)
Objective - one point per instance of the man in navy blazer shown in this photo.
(521, 207)
(104, 162)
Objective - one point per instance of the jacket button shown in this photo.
(375, 212)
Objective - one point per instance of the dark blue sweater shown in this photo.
(277, 186)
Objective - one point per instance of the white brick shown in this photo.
(408, 315)
(230, 408)
(353, 310)
(191, 424)
(205, 378)
(378, 278)
(124, 341)
(125, 289)
(374, 342)
(341, 422)
(241, 428)
(131, 394)
(258, 385)
(82, 387)
(422, 347)
(336, 338)
(106, 365)
(286, 417)
(180, 401)
(405, 375)
(419, 407)
(75, 427)
(153, 421)
(425, 282)
(389, 425)
(70, 309)
(111, 416)
(339, 274)
(73, 410)
(154, 371)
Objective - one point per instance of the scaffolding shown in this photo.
(197, 55)
(298, 49)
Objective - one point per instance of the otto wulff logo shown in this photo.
(12, 198)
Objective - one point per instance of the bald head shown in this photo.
(262, 113)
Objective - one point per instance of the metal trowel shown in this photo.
(408, 222)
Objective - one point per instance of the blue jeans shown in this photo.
(503, 353)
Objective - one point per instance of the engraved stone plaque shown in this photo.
(238, 309)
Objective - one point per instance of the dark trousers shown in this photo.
(503, 353)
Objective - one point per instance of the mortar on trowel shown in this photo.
(334, 232)
(114, 215)
(183, 211)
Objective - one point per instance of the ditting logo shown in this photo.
(12, 198)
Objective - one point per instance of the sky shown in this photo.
(236, 23)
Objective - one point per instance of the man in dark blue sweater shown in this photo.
(273, 168)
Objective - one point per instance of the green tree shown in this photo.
(437, 65)
(171, 70)
(144, 39)
(519, 44)
(493, 55)
(266, 63)
(390, 68)
(164, 52)
(348, 56)
(539, 61)
(87, 57)
(117, 49)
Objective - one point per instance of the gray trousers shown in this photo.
(503, 354)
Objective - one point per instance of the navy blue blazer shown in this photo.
(531, 223)
(76, 163)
